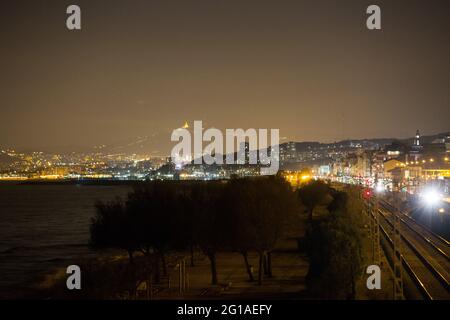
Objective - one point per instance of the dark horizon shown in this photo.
(309, 68)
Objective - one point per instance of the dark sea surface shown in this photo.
(43, 226)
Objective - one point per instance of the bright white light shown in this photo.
(432, 197)
(441, 210)
(379, 188)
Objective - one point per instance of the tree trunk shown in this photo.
(212, 259)
(299, 245)
(247, 266)
(130, 256)
(157, 271)
(260, 270)
(164, 264)
(353, 293)
(310, 217)
(265, 268)
(192, 255)
(269, 264)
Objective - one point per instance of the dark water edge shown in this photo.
(44, 228)
(42, 284)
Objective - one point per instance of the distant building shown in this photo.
(416, 148)
(447, 144)
(244, 148)
(417, 139)
(324, 170)
(288, 153)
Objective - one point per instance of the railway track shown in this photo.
(437, 242)
(425, 255)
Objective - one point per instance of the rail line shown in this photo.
(438, 240)
(419, 284)
(427, 266)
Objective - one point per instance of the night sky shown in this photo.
(137, 68)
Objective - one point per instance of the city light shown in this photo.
(441, 210)
(432, 197)
(379, 188)
(305, 177)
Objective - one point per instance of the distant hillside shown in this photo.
(304, 146)
(426, 139)
(159, 144)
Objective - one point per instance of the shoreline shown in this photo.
(47, 284)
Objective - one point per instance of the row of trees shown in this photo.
(241, 215)
(334, 245)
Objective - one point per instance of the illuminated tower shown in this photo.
(416, 148)
(181, 159)
(417, 139)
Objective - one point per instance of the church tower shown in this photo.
(417, 139)
(416, 148)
